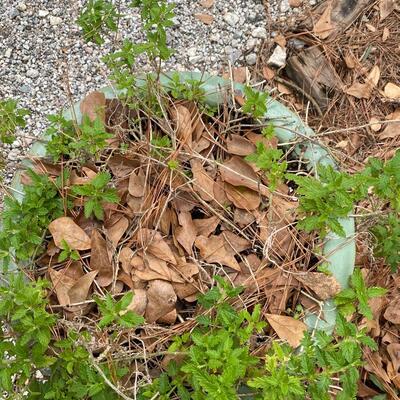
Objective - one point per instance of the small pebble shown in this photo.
(43, 13)
(55, 20)
(260, 33)
(278, 57)
(251, 59)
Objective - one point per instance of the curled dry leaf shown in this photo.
(375, 125)
(122, 167)
(324, 27)
(155, 268)
(287, 328)
(206, 226)
(116, 227)
(183, 122)
(392, 313)
(239, 145)
(125, 258)
(205, 18)
(186, 233)
(61, 284)
(153, 243)
(185, 290)
(169, 318)
(99, 260)
(364, 90)
(392, 129)
(242, 197)
(392, 91)
(161, 299)
(203, 183)
(268, 73)
(80, 290)
(385, 34)
(64, 228)
(393, 350)
(386, 7)
(324, 286)
(139, 302)
(93, 105)
(238, 173)
(215, 249)
(137, 182)
(237, 243)
(219, 193)
(125, 279)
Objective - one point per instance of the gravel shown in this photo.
(42, 52)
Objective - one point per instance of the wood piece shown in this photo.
(314, 74)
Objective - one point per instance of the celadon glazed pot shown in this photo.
(339, 252)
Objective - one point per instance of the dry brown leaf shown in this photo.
(323, 27)
(370, 27)
(186, 233)
(161, 299)
(393, 350)
(153, 243)
(392, 313)
(323, 285)
(392, 91)
(169, 318)
(243, 218)
(80, 290)
(203, 184)
(295, 3)
(121, 166)
(88, 175)
(207, 3)
(280, 40)
(215, 249)
(125, 256)
(61, 284)
(93, 105)
(364, 90)
(183, 122)
(116, 227)
(99, 260)
(239, 145)
(242, 197)
(137, 183)
(287, 328)
(74, 270)
(283, 89)
(155, 268)
(64, 228)
(204, 18)
(239, 74)
(184, 290)
(391, 130)
(238, 173)
(386, 7)
(375, 126)
(206, 226)
(268, 73)
(139, 302)
(237, 243)
(350, 60)
(385, 34)
(256, 137)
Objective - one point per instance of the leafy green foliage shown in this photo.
(77, 143)
(269, 131)
(217, 353)
(190, 89)
(255, 102)
(357, 296)
(326, 199)
(10, 118)
(25, 333)
(308, 373)
(72, 376)
(268, 159)
(96, 193)
(25, 223)
(67, 253)
(97, 17)
(387, 240)
(116, 312)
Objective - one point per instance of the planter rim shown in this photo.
(339, 252)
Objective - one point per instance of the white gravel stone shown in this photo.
(231, 18)
(43, 13)
(32, 73)
(260, 33)
(278, 57)
(55, 20)
(21, 7)
(285, 6)
(251, 59)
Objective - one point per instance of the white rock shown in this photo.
(251, 59)
(13, 155)
(192, 51)
(32, 73)
(8, 52)
(215, 38)
(278, 57)
(251, 44)
(55, 20)
(21, 7)
(260, 33)
(195, 59)
(285, 6)
(43, 13)
(231, 18)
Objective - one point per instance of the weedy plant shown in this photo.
(219, 357)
